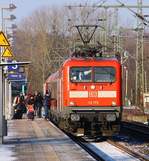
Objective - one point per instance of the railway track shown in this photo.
(127, 150)
(96, 148)
(107, 150)
(138, 128)
(83, 143)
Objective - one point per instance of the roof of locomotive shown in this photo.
(88, 54)
(73, 60)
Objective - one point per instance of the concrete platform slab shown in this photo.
(39, 140)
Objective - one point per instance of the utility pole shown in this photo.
(116, 31)
(105, 28)
(126, 86)
(145, 81)
(56, 57)
(139, 63)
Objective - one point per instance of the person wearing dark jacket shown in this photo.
(21, 97)
(30, 100)
(38, 104)
(19, 110)
(47, 99)
(35, 103)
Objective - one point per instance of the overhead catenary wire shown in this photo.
(141, 17)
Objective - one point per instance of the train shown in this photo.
(86, 95)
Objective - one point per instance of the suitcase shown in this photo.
(30, 112)
(30, 115)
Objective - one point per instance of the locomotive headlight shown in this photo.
(111, 117)
(75, 117)
(71, 103)
(113, 103)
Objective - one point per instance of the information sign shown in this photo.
(16, 76)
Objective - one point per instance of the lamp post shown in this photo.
(3, 80)
(10, 18)
(10, 8)
(9, 32)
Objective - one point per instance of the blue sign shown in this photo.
(16, 76)
(12, 67)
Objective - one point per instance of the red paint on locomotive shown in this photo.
(99, 90)
(91, 93)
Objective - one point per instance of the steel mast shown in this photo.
(139, 55)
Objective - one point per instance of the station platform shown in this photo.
(39, 140)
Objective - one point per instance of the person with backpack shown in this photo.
(30, 108)
(19, 110)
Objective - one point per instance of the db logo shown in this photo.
(14, 67)
(93, 94)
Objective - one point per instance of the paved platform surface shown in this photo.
(39, 140)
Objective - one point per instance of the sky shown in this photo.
(26, 7)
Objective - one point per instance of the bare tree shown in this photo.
(45, 36)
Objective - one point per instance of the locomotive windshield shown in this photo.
(104, 74)
(81, 74)
(84, 74)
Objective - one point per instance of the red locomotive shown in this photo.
(86, 95)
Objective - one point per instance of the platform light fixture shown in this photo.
(10, 8)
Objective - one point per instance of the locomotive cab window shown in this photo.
(104, 74)
(81, 74)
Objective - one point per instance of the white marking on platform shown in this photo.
(110, 153)
(6, 153)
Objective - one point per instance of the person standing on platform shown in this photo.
(16, 100)
(47, 99)
(20, 108)
(35, 102)
(22, 97)
(22, 100)
(30, 108)
(39, 104)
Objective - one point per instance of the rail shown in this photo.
(127, 150)
(81, 142)
(137, 127)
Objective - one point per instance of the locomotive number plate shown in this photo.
(95, 103)
(93, 94)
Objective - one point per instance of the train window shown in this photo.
(81, 74)
(104, 74)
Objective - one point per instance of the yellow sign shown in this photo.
(7, 53)
(3, 40)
